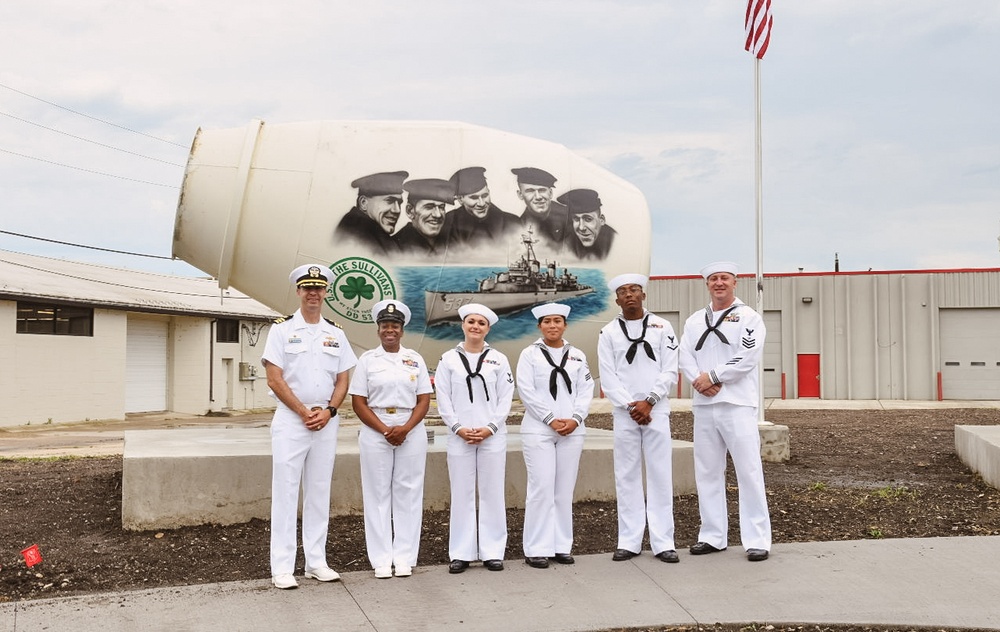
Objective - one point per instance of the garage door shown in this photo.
(970, 353)
(772, 355)
(146, 365)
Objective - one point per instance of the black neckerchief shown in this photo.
(557, 369)
(630, 354)
(472, 374)
(715, 327)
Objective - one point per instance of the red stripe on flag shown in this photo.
(758, 24)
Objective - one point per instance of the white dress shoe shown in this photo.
(324, 574)
(403, 571)
(285, 581)
(383, 572)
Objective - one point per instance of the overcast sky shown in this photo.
(881, 132)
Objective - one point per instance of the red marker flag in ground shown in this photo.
(758, 27)
(32, 555)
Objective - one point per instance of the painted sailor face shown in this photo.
(477, 203)
(587, 226)
(384, 209)
(536, 197)
(552, 327)
(427, 217)
(722, 287)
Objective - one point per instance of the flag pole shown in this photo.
(759, 207)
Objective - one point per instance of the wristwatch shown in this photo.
(333, 411)
(651, 400)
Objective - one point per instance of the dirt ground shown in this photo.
(852, 475)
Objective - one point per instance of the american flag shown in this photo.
(758, 26)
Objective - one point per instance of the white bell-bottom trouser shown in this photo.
(633, 446)
(718, 428)
(552, 462)
(300, 456)
(392, 487)
(483, 466)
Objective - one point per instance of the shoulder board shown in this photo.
(335, 324)
(283, 319)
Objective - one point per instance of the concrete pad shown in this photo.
(775, 446)
(979, 448)
(189, 476)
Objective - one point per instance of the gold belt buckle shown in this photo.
(390, 411)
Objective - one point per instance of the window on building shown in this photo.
(60, 320)
(227, 330)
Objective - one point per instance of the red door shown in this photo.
(808, 375)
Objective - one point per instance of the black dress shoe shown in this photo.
(536, 562)
(563, 558)
(457, 566)
(702, 548)
(669, 557)
(623, 554)
(493, 565)
(756, 555)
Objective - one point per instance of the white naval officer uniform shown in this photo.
(392, 477)
(310, 358)
(552, 460)
(476, 399)
(625, 381)
(728, 420)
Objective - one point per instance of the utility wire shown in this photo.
(101, 173)
(122, 285)
(66, 243)
(93, 118)
(87, 140)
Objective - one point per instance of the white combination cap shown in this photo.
(627, 279)
(550, 309)
(720, 266)
(391, 310)
(482, 310)
(311, 275)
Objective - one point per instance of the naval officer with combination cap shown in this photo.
(556, 388)
(390, 393)
(637, 356)
(306, 358)
(721, 349)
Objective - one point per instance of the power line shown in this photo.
(101, 173)
(122, 285)
(93, 118)
(66, 243)
(87, 140)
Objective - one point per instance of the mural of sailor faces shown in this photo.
(458, 216)
(434, 214)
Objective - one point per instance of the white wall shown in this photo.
(61, 378)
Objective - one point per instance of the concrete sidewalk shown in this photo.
(933, 582)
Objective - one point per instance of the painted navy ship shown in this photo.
(524, 284)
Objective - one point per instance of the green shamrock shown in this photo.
(355, 287)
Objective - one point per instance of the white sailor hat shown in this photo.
(720, 266)
(550, 309)
(391, 310)
(477, 308)
(627, 279)
(311, 275)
